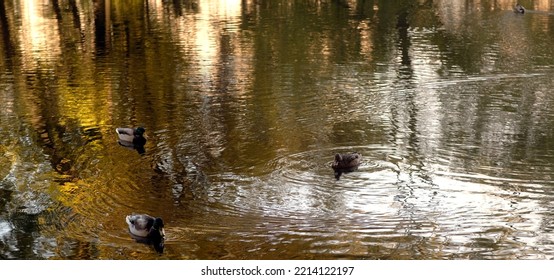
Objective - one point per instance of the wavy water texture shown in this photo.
(245, 104)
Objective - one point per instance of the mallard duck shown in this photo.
(144, 225)
(131, 136)
(519, 9)
(345, 163)
(147, 229)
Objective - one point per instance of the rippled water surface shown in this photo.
(245, 104)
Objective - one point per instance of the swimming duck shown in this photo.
(144, 225)
(147, 229)
(345, 163)
(519, 9)
(131, 135)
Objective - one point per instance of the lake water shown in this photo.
(245, 103)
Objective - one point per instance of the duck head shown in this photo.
(139, 131)
(158, 228)
(138, 140)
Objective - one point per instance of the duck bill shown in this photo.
(162, 232)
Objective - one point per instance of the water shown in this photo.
(245, 104)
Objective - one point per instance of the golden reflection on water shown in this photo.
(245, 105)
(39, 35)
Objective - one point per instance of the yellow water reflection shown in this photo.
(245, 103)
(39, 36)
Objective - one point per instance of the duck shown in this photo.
(345, 163)
(147, 229)
(519, 9)
(132, 138)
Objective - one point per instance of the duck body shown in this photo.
(132, 138)
(144, 225)
(345, 163)
(518, 9)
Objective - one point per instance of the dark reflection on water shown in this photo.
(246, 103)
